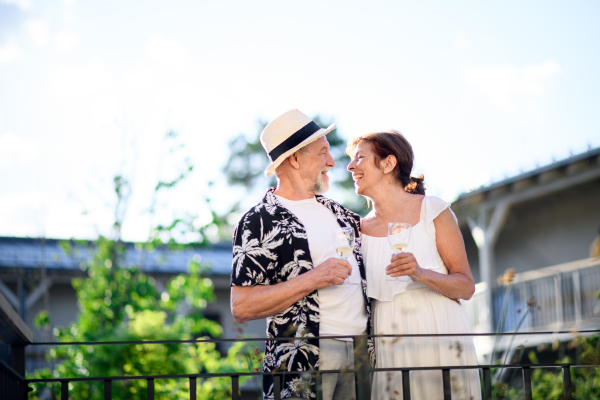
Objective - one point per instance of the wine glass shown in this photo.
(398, 238)
(344, 243)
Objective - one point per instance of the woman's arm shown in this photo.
(458, 284)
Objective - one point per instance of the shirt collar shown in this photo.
(271, 200)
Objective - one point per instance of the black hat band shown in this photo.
(294, 140)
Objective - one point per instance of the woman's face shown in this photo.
(365, 173)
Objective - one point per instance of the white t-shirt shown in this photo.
(342, 307)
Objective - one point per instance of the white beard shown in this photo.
(320, 186)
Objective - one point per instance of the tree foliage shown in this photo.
(119, 302)
(547, 383)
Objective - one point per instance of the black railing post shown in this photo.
(17, 358)
(567, 388)
(487, 384)
(319, 379)
(277, 387)
(193, 388)
(361, 368)
(15, 335)
(446, 383)
(150, 389)
(235, 387)
(107, 389)
(64, 390)
(527, 383)
(405, 385)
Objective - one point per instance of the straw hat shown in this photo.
(288, 133)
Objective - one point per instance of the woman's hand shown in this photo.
(404, 264)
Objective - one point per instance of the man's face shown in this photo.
(316, 165)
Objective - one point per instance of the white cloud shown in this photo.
(509, 87)
(22, 4)
(40, 212)
(16, 150)
(9, 52)
(20, 213)
(38, 30)
(166, 51)
(91, 79)
(65, 40)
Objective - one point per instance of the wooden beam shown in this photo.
(38, 292)
(542, 190)
(497, 222)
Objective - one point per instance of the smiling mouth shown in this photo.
(357, 177)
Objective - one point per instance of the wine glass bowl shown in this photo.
(344, 243)
(398, 238)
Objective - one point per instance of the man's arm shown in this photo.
(261, 301)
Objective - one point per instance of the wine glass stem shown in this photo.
(347, 280)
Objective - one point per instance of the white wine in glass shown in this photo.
(398, 238)
(343, 252)
(344, 242)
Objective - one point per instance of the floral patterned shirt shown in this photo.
(270, 246)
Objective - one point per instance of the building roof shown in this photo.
(29, 253)
(590, 156)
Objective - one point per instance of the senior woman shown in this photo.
(433, 268)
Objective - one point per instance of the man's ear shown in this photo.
(388, 164)
(294, 160)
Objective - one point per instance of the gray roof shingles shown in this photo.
(27, 253)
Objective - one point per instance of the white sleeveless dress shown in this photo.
(407, 307)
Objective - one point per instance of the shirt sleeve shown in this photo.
(433, 208)
(254, 260)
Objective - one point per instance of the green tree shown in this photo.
(548, 383)
(119, 302)
(248, 160)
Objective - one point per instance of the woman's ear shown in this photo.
(388, 164)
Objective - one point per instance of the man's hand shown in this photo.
(332, 272)
(404, 264)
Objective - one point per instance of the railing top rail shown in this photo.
(12, 328)
(556, 269)
(260, 373)
(225, 340)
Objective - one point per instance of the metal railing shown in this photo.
(565, 296)
(361, 370)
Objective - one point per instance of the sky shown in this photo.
(482, 90)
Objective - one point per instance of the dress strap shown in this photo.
(422, 214)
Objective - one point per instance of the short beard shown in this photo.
(320, 186)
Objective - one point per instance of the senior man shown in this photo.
(286, 269)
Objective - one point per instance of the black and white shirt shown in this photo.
(270, 246)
